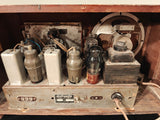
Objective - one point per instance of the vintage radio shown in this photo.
(54, 68)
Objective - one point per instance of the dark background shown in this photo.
(93, 117)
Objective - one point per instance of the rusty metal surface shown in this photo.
(43, 96)
(72, 37)
(143, 105)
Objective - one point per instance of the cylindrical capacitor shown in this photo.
(14, 66)
(53, 66)
(74, 66)
(33, 65)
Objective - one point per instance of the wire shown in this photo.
(17, 46)
(121, 110)
(60, 45)
(55, 41)
(39, 40)
(70, 49)
(147, 83)
(34, 43)
(151, 84)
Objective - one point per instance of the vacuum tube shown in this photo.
(74, 66)
(94, 64)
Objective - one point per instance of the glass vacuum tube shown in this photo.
(94, 63)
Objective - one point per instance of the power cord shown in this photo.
(150, 84)
(117, 98)
(117, 101)
(140, 82)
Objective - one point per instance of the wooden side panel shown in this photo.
(153, 52)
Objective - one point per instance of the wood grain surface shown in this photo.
(77, 8)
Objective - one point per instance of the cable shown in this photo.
(39, 40)
(17, 46)
(70, 49)
(140, 82)
(60, 45)
(34, 43)
(121, 110)
(151, 84)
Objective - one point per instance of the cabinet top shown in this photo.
(50, 6)
(80, 2)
